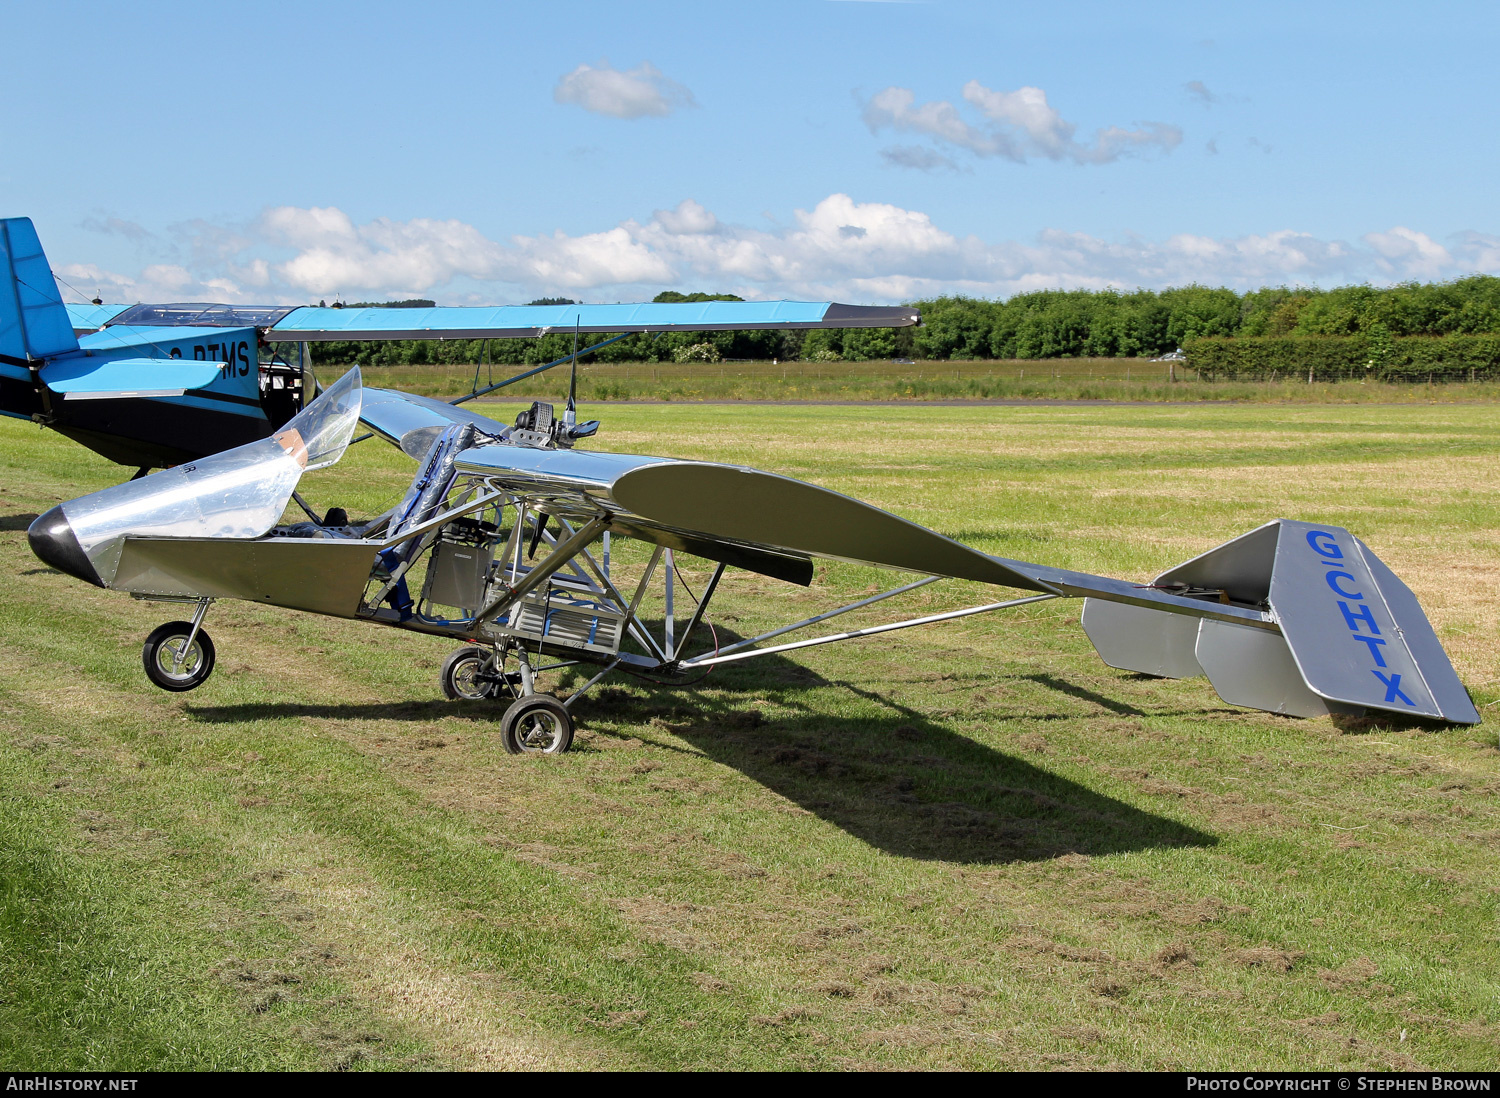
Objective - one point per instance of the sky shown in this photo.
(856, 150)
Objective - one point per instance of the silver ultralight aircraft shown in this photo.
(503, 542)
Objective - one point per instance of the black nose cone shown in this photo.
(52, 539)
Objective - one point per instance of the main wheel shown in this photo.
(166, 663)
(465, 675)
(537, 724)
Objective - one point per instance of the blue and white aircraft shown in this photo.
(152, 386)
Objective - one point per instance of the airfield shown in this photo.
(970, 845)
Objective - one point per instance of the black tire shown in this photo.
(538, 724)
(461, 673)
(161, 649)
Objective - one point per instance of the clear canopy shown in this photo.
(240, 493)
(203, 315)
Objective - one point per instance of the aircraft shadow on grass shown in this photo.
(13, 523)
(900, 781)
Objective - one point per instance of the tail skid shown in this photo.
(1340, 633)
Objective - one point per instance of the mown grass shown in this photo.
(969, 846)
(1115, 379)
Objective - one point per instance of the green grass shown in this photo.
(1117, 379)
(969, 846)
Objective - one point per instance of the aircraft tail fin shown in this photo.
(1345, 635)
(34, 322)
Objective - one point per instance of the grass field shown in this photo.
(970, 846)
(1047, 379)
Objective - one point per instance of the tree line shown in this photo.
(1040, 324)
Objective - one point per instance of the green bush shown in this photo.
(1376, 354)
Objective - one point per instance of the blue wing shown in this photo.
(529, 321)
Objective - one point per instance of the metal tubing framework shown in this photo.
(708, 593)
(542, 572)
(636, 627)
(735, 647)
(710, 661)
(447, 516)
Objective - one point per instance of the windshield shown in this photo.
(240, 493)
(322, 430)
(202, 315)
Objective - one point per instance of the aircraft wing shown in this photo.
(714, 510)
(412, 422)
(528, 321)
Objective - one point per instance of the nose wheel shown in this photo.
(178, 656)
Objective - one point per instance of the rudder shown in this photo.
(34, 322)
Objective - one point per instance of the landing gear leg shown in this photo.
(179, 655)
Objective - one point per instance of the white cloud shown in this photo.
(839, 249)
(1409, 254)
(893, 108)
(919, 157)
(636, 93)
(118, 226)
(1199, 91)
(157, 282)
(1021, 124)
(688, 217)
(1027, 110)
(1477, 251)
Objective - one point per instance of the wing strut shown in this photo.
(573, 357)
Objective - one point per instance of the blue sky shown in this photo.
(867, 151)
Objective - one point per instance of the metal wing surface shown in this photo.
(412, 422)
(528, 321)
(731, 506)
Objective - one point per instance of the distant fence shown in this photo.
(1333, 358)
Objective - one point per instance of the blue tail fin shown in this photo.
(34, 323)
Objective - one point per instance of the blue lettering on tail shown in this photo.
(1333, 581)
(1354, 617)
(1375, 644)
(1326, 545)
(1393, 687)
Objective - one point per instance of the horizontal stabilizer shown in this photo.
(1352, 636)
(1255, 668)
(1135, 638)
(102, 379)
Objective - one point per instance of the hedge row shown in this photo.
(1331, 358)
